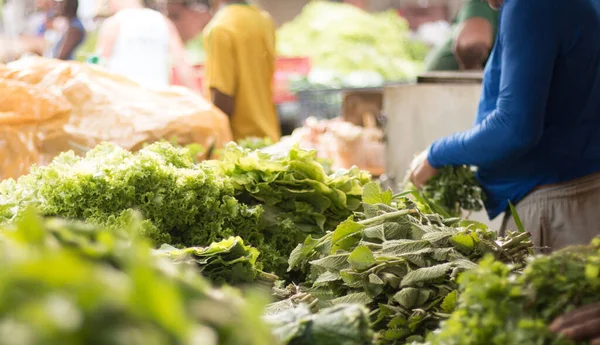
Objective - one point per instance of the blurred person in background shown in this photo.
(240, 68)
(190, 18)
(74, 33)
(470, 42)
(143, 45)
(42, 19)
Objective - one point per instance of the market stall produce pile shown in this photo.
(111, 291)
(273, 203)
(379, 43)
(400, 262)
(500, 306)
(226, 262)
(364, 266)
(455, 190)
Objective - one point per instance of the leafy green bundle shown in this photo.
(455, 189)
(379, 42)
(400, 262)
(226, 262)
(498, 306)
(281, 199)
(297, 195)
(255, 143)
(340, 325)
(55, 292)
(184, 204)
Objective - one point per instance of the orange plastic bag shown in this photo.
(50, 106)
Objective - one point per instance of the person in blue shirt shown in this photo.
(75, 34)
(536, 137)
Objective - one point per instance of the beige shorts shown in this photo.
(562, 215)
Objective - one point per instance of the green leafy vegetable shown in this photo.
(272, 202)
(226, 262)
(71, 283)
(501, 306)
(400, 262)
(455, 189)
(296, 193)
(378, 42)
(254, 143)
(340, 325)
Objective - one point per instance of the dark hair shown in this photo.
(70, 8)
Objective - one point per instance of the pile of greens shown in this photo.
(455, 190)
(340, 325)
(499, 306)
(110, 291)
(291, 195)
(378, 42)
(400, 262)
(254, 143)
(226, 262)
(271, 202)
(183, 204)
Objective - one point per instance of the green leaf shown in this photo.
(353, 279)
(407, 297)
(354, 298)
(362, 258)
(442, 236)
(426, 274)
(463, 242)
(302, 252)
(449, 303)
(334, 263)
(376, 232)
(516, 217)
(471, 225)
(400, 247)
(423, 297)
(374, 279)
(373, 195)
(327, 277)
(346, 235)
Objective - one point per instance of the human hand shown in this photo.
(582, 324)
(496, 4)
(421, 170)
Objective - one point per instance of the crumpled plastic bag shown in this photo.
(49, 106)
(342, 142)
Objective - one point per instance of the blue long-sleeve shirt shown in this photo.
(538, 120)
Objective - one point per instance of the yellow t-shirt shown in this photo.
(240, 62)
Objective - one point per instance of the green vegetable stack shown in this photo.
(272, 203)
(455, 190)
(377, 42)
(499, 306)
(254, 143)
(400, 262)
(55, 292)
(183, 204)
(296, 194)
(226, 262)
(339, 325)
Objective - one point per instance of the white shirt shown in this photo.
(141, 51)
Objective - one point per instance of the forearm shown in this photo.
(523, 66)
(222, 101)
(495, 139)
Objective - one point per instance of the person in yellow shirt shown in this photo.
(240, 66)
